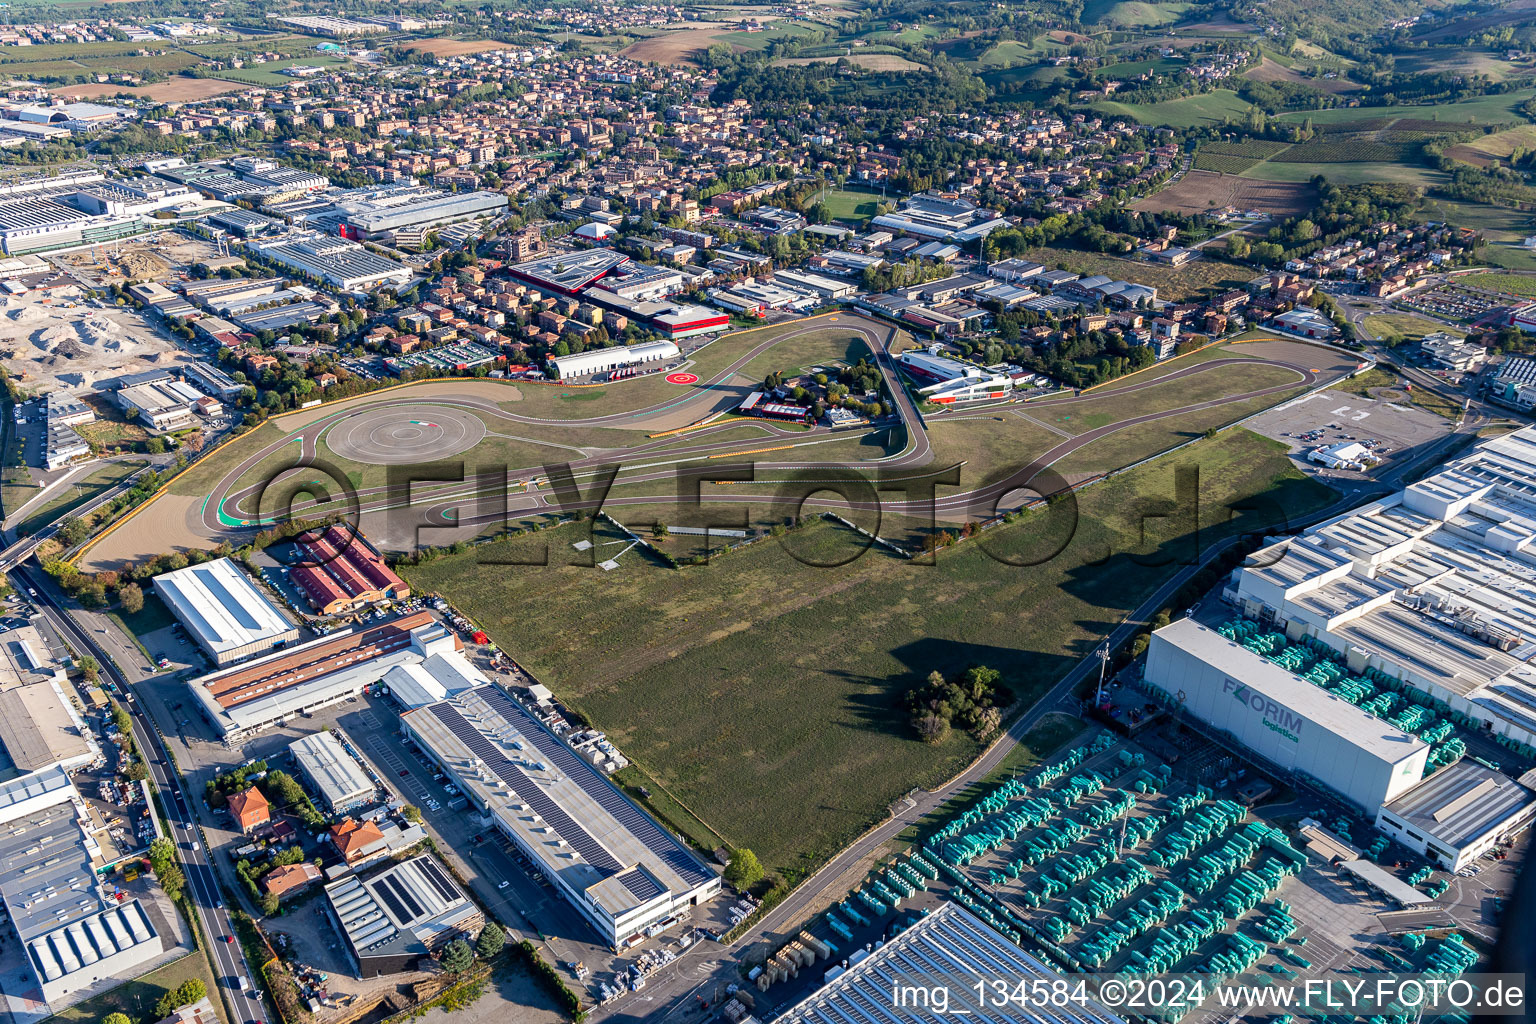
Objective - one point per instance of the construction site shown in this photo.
(154, 257)
(1141, 857)
(60, 341)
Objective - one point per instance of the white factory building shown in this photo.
(1428, 597)
(1432, 585)
(1290, 723)
(225, 612)
(335, 262)
(604, 360)
(624, 873)
(336, 774)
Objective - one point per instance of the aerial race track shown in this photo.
(410, 425)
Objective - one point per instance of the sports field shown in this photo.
(763, 693)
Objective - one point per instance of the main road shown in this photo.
(228, 957)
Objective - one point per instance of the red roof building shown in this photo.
(250, 809)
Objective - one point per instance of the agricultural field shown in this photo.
(1134, 13)
(1010, 53)
(1510, 284)
(1173, 283)
(679, 46)
(175, 90)
(1236, 157)
(1271, 69)
(1215, 107)
(456, 47)
(887, 62)
(764, 694)
(1496, 147)
(1199, 191)
(1275, 172)
(1502, 108)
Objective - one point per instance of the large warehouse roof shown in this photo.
(221, 605)
(1432, 585)
(1260, 682)
(253, 695)
(604, 845)
(338, 774)
(570, 272)
(949, 945)
(1462, 803)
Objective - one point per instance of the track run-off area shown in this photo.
(463, 456)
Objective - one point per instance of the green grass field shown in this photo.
(270, 74)
(1215, 107)
(853, 206)
(763, 692)
(138, 997)
(1011, 53)
(1133, 13)
(1347, 173)
(1404, 325)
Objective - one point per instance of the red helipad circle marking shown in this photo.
(682, 378)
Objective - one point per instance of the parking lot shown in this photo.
(1389, 429)
(1454, 302)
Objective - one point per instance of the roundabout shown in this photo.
(393, 435)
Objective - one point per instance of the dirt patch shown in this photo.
(457, 47)
(1067, 38)
(678, 47)
(872, 61)
(59, 344)
(166, 529)
(176, 90)
(1272, 71)
(1198, 191)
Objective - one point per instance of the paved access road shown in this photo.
(228, 958)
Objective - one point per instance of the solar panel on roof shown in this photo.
(542, 804)
(640, 885)
(392, 901)
(600, 789)
(439, 881)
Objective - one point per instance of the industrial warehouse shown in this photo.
(1373, 650)
(335, 262)
(636, 290)
(338, 571)
(337, 776)
(624, 873)
(950, 946)
(245, 699)
(224, 611)
(370, 214)
(73, 939)
(80, 208)
(405, 912)
(620, 357)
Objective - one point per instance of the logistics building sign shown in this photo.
(1275, 716)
